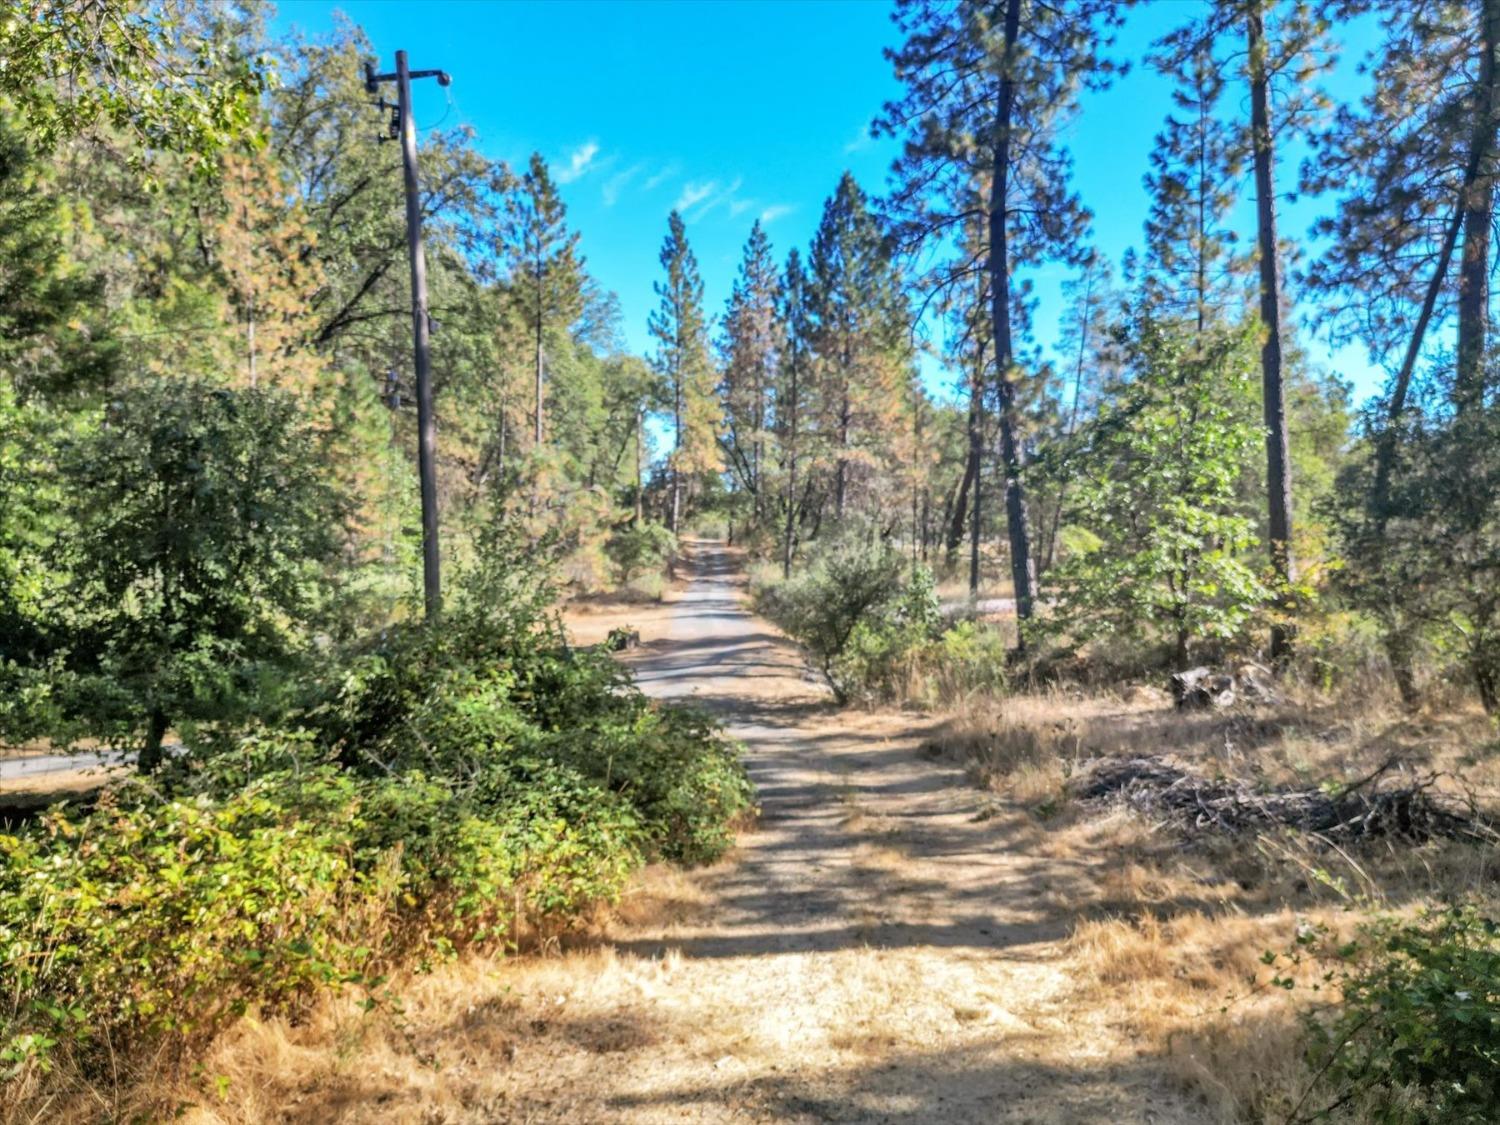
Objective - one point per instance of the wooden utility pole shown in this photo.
(432, 588)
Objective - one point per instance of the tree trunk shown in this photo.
(500, 456)
(999, 270)
(791, 479)
(959, 508)
(1398, 650)
(676, 451)
(841, 471)
(250, 339)
(1478, 218)
(1273, 390)
(640, 479)
(976, 458)
(537, 438)
(151, 752)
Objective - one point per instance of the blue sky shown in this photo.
(736, 109)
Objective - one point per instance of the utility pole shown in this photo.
(432, 588)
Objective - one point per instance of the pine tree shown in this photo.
(1287, 53)
(750, 349)
(1415, 167)
(859, 327)
(52, 340)
(792, 397)
(987, 90)
(683, 362)
(546, 272)
(261, 246)
(1192, 267)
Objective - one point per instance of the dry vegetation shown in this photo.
(925, 926)
(1172, 941)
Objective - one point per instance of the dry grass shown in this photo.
(1170, 945)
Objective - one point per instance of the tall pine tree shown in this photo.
(988, 88)
(683, 362)
(749, 351)
(546, 271)
(859, 338)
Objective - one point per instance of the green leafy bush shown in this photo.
(638, 548)
(861, 611)
(967, 659)
(1170, 451)
(1416, 1039)
(192, 554)
(165, 918)
(444, 787)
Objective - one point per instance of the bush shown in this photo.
(152, 919)
(442, 788)
(1417, 1037)
(194, 556)
(861, 614)
(968, 659)
(638, 548)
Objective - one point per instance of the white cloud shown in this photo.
(694, 194)
(662, 176)
(726, 196)
(616, 184)
(578, 162)
(776, 211)
(740, 206)
(860, 141)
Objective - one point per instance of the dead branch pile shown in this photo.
(1388, 803)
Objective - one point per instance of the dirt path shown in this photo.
(881, 948)
(875, 952)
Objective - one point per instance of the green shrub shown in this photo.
(637, 548)
(165, 918)
(968, 659)
(861, 612)
(1417, 1036)
(445, 787)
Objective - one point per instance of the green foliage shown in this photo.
(52, 339)
(1417, 1037)
(442, 787)
(1444, 490)
(1158, 495)
(196, 526)
(860, 611)
(163, 919)
(967, 660)
(68, 66)
(637, 548)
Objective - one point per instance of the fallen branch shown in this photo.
(1390, 802)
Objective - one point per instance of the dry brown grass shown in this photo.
(1170, 945)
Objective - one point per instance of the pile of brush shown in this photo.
(1391, 802)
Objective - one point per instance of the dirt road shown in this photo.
(878, 950)
(882, 948)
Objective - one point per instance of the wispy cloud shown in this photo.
(694, 194)
(740, 206)
(776, 211)
(720, 198)
(662, 176)
(578, 163)
(616, 184)
(860, 141)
